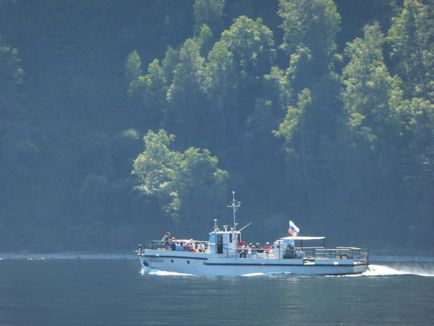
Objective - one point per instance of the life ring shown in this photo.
(343, 256)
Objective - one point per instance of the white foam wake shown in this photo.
(253, 274)
(150, 271)
(384, 270)
(373, 271)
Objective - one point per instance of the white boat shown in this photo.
(225, 254)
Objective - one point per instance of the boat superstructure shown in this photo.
(226, 254)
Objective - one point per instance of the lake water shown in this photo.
(114, 292)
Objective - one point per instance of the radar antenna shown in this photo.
(235, 204)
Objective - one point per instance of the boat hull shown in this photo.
(202, 264)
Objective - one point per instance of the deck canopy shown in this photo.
(302, 238)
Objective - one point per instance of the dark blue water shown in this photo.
(113, 292)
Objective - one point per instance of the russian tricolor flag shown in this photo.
(293, 229)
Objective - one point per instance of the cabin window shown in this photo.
(238, 236)
(230, 237)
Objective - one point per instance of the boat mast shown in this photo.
(235, 204)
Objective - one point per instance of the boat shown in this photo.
(226, 254)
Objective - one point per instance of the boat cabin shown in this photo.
(226, 241)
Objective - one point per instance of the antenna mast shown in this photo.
(235, 204)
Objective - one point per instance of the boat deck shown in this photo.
(307, 254)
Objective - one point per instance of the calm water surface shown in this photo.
(113, 292)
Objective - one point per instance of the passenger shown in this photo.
(166, 240)
(267, 248)
(299, 253)
(240, 245)
(253, 250)
(289, 252)
(243, 253)
(186, 246)
(250, 249)
(259, 248)
(201, 247)
(173, 243)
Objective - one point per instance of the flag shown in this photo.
(293, 229)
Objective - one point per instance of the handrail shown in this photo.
(167, 245)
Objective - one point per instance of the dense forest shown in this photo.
(120, 120)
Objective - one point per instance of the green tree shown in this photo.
(293, 120)
(155, 93)
(222, 87)
(417, 153)
(412, 47)
(200, 188)
(300, 72)
(371, 96)
(186, 94)
(187, 184)
(156, 166)
(208, 12)
(252, 45)
(147, 95)
(133, 67)
(292, 130)
(11, 75)
(310, 24)
(235, 69)
(374, 110)
(205, 39)
(169, 63)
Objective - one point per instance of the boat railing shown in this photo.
(356, 254)
(306, 253)
(183, 245)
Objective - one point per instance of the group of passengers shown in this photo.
(251, 250)
(187, 246)
(170, 243)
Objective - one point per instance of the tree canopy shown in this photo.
(320, 110)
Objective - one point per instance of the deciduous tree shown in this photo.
(411, 39)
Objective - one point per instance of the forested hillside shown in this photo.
(120, 120)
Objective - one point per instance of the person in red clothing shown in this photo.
(267, 248)
(243, 249)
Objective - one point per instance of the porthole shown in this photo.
(171, 260)
(188, 262)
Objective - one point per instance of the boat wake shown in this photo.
(255, 274)
(385, 270)
(373, 271)
(156, 272)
